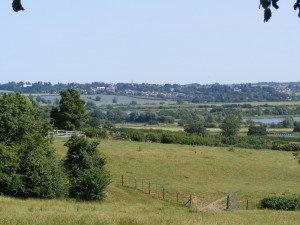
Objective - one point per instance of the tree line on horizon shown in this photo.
(195, 93)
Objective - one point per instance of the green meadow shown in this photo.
(207, 173)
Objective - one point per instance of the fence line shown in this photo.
(157, 190)
(160, 191)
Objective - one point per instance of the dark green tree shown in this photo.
(257, 130)
(196, 128)
(19, 117)
(288, 122)
(28, 165)
(85, 166)
(70, 114)
(230, 126)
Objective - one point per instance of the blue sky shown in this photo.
(157, 41)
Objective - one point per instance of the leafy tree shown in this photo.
(85, 166)
(19, 117)
(196, 128)
(71, 113)
(28, 165)
(230, 126)
(288, 122)
(41, 175)
(258, 130)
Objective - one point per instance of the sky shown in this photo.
(157, 41)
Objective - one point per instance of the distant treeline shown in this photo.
(191, 92)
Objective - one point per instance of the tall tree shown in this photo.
(70, 114)
(230, 126)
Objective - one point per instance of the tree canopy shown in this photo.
(70, 114)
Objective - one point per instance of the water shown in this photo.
(272, 120)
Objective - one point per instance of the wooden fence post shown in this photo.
(142, 185)
(135, 183)
(190, 200)
(177, 197)
(149, 188)
(228, 202)
(122, 180)
(163, 192)
(247, 204)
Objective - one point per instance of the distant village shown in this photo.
(192, 92)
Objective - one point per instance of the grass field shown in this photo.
(208, 173)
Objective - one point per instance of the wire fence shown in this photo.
(156, 190)
(159, 191)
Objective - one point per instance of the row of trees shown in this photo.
(192, 92)
(29, 166)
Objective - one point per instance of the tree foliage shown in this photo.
(257, 130)
(196, 128)
(70, 115)
(19, 117)
(230, 126)
(85, 166)
(28, 165)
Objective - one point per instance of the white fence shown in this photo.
(65, 133)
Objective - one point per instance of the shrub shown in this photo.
(85, 167)
(258, 130)
(95, 132)
(90, 184)
(196, 128)
(281, 203)
(31, 170)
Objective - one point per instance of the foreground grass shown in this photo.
(132, 211)
(209, 173)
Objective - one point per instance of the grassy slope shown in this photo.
(207, 172)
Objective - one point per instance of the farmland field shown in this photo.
(206, 172)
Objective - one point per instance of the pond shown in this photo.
(272, 120)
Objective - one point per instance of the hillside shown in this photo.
(208, 173)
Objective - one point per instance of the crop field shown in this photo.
(206, 172)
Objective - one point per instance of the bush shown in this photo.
(281, 203)
(90, 184)
(85, 167)
(95, 133)
(31, 170)
(258, 130)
